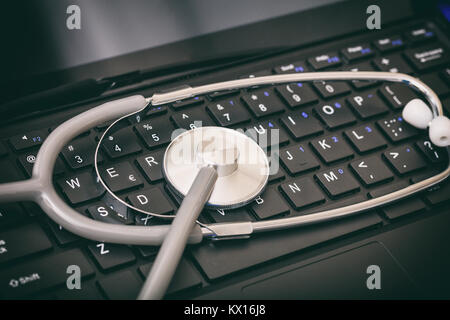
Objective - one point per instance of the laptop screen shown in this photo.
(106, 29)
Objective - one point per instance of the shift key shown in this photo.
(22, 241)
(31, 277)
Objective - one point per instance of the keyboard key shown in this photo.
(295, 67)
(367, 105)
(129, 287)
(399, 208)
(81, 187)
(362, 66)
(263, 103)
(221, 215)
(188, 102)
(39, 274)
(359, 51)
(62, 236)
(428, 56)
(185, 277)
(445, 74)
(267, 133)
(335, 114)
(325, 61)
(389, 43)
(3, 150)
(269, 204)
(151, 165)
(298, 159)
(337, 181)
(155, 133)
(296, 94)
(371, 171)
(438, 194)
(260, 73)
(121, 176)
(301, 124)
(192, 118)
(11, 213)
(330, 89)
(365, 138)
(28, 140)
(155, 111)
(121, 143)
(302, 193)
(404, 159)
(420, 34)
(275, 176)
(332, 148)
(397, 95)
(392, 63)
(80, 153)
(435, 82)
(110, 256)
(87, 292)
(228, 112)
(432, 153)
(220, 259)
(22, 241)
(221, 94)
(396, 128)
(104, 213)
(151, 200)
(28, 159)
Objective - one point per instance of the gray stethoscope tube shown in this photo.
(39, 188)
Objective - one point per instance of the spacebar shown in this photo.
(221, 258)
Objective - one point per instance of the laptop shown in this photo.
(65, 57)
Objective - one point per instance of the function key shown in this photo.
(332, 148)
(445, 74)
(267, 134)
(365, 138)
(357, 52)
(222, 94)
(261, 73)
(302, 193)
(396, 128)
(420, 34)
(389, 43)
(397, 95)
(330, 89)
(301, 124)
(371, 170)
(187, 102)
(28, 140)
(404, 159)
(298, 159)
(192, 118)
(335, 114)
(156, 110)
(392, 63)
(295, 67)
(323, 61)
(263, 103)
(337, 181)
(429, 56)
(296, 94)
(228, 112)
(367, 105)
(362, 66)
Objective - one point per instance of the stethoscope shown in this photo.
(219, 168)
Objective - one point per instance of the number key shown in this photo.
(263, 103)
(156, 132)
(228, 112)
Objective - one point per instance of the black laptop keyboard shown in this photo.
(340, 143)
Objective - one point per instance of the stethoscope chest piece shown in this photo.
(241, 164)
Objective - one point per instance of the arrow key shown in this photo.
(371, 171)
